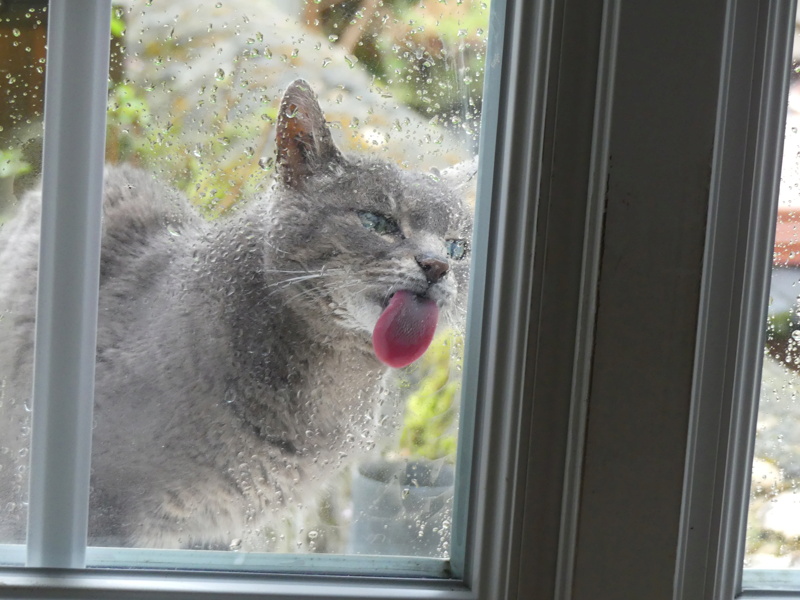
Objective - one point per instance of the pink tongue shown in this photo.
(405, 329)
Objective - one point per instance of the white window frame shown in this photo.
(512, 290)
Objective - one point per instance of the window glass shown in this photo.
(22, 57)
(773, 531)
(284, 273)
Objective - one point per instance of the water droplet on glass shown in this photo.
(332, 38)
(219, 75)
(16, 32)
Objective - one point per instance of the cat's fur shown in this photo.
(234, 363)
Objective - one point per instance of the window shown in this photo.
(771, 540)
(215, 151)
(634, 146)
(737, 262)
(503, 337)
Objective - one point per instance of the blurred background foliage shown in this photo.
(431, 410)
(429, 54)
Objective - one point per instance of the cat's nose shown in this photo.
(434, 267)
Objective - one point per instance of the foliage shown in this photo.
(429, 54)
(431, 410)
(783, 339)
(205, 170)
(117, 23)
(12, 163)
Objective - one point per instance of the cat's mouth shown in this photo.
(405, 328)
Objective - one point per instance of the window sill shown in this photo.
(163, 582)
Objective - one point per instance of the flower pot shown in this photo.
(402, 508)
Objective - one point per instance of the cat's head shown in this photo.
(356, 235)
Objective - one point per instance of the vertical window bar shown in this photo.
(69, 263)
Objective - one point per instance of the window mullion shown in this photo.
(69, 262)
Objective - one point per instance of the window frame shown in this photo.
(695, 143)
(517, 235)
(552, 402)
(743, 204)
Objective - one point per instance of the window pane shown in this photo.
(773, 532)
(23, 28)
(287, 227)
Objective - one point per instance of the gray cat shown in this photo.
(239, 362)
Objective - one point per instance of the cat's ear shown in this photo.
(305, 145)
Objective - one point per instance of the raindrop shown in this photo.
(332, 38)
(16, 32)
(219, 75)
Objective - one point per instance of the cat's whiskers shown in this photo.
(291, 280)
(293, 271)
(309, 275)
(327, 288)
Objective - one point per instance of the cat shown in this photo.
(240, 360)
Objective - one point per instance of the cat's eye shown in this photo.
(379, 223)
(457, 249)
